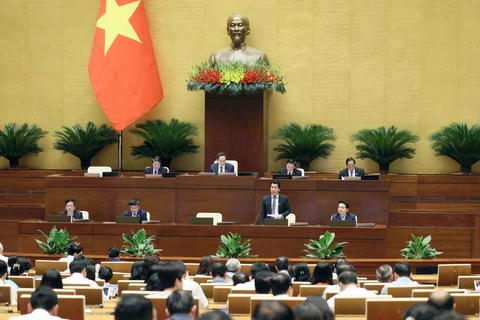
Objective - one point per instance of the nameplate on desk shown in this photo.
(92, 174)
(352, 178)
(204, 221)
(275, 222)
(366, 225)
(59, 218)
(151, 222)
(153, 176)
(300, 177)
(298, 224)
(342, 223)
(225, 223)
(81, 220)
(126, 219)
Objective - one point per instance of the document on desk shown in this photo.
(273, 216)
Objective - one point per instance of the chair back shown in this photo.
(391, 309)
(93, 295)
(243, 290)
(123, 285)
(302, 171)
(217, 217)
(245, 267)
(374, 286)
(406, 291)
(292, 302)
(361, 283)
(85, 214)
(140, 292)
(312, 289)
(21, 291)
(160, 304)
(137, 286)
(466, 303)
(239, 303)
(220, 293)
(448, 273)
(5, 294)
(69, 306)
(201, 279)
(467, 282)
(74, 284)
(354, 305)
(117, 276)
(208, 288)
(292, 218)
(118, 266)
(331, 294)
(99, 169)
(296, 286)
(100, 282)
(43, 265)
(425, 293)
(22, 282)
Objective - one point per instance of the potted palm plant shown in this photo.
(166, 140)
(16, 142)
(233, 247)
(384, 145)
(304, 145)
(459, 143)
(84, 143)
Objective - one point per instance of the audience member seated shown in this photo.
(3, 278)
(282, 264)
(233, 266)
(300, 272)
(343, 213)
(136, 307)
(156, 167)
(348, 288)
(219, 270)
(180, 306)
(205, 266)
(43, 305)
(90, 272)
(337, 264)
(2, 257)
(190, 284)
(254, 270)
(52, 279)
(17, 269)
(150, 260)
(385, 274)
(442, 300)
(322, 274)
(135, 211)
(401, 274)
(240, 277)
(214, 315)
(290, 168)
(78, 271)
(281, 285)
(320, 303)
(106, 274)
(138, 271)
(307, 312)
(262, 282)
(222, 166)
(114, 254)
(74, 251)
(340, 269)
(26, 263)
(11, 261)
(421, 311)
(272, 310)
(167, 279)
(70, 210)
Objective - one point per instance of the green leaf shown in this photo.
(419, 248)
(233, 247)
(139, 245)
(323, 248)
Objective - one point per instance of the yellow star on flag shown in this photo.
(115, 22)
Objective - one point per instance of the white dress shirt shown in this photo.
(79, 278)
(197, 292)
(2, 257)
(37, 314)
(350, 291)
(13, 292)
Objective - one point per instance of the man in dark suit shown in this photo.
(156, 167)
(351, 170)
(274, 204)
(222, 166)
(135, 211)
(343, 213)
(70, 210)
(290, 168)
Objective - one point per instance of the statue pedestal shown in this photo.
(238, 126)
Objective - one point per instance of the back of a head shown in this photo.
(384, 273)
(150, 260)
(421, 311)
(134, 307)
(52, 279)
(90, 272)
(233, 265)
(300, 272)
(105, 273)
(44, 298)
(214, 315)
(307, 312)
(403, 269)
(77, 266)
(282, 263)
(280, 283)
(26, 263)
(138, 271)
(219, 269)
(322, 273)
(320, 303)
(17, 269)
(74, 249)
(113, 252)
(345, 267)
(256, 268)
(348, 277)
(180, 301)
(3, 268)
(441, 300)
(272, 310)
(339, 262)
(239, 277)
(450, 315)
(262, 282)
(12, 260)
(205, 265)
(168, 273)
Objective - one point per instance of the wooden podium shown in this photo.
(238, 126)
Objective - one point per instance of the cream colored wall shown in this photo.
(349, 65)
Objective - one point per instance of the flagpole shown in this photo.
(120, 151)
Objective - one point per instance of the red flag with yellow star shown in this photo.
(123, 70)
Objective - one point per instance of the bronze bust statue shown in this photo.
(238, 27)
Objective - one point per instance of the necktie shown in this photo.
(351, 174)
(275, 206)
(221, 169)
(155, 172)
(290, 173)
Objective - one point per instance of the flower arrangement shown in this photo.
(235, 78)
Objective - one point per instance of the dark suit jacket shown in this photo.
(228, 168)
(344, 173)
(141, 214)
(296, 172)
(283, 207)
(149, 170)
(349, 216)
(76, 214)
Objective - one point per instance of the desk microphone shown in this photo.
(257, 218)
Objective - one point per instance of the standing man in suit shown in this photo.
(290, 168)
(135, 211)
(222, 166)
(343, 213)
(351, 170)
(274, 203)
(70, 210)
(156, 167)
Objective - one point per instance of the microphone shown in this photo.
(257, 218)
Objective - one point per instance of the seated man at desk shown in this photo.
(275, 205)
(221, 166)
(343, 213)
(135, 211)
(70, 210)
(156, 167)
(351, 170)
(290, 168)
